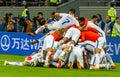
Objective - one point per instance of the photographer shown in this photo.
(38, 21)
(12, 23)
(5, 22)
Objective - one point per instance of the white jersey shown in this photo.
(100, 31)
(65, 21)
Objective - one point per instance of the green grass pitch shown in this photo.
(26, 71)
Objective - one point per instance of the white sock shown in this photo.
(92, 60)
(109, 58)
(54, 64)
(16, 63)
(47, 55)
(97, 61)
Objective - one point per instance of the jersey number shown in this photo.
(66, 21)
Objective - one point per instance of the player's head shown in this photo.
(53, 14)
(94, 18)
(81, 20)
(72, 11)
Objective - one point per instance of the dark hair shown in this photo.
(10, 14)
(117, 18)
(81, 18)
(99, 16)
(72, 10)
(40, 13)
(53, 13)
(94, 16)
(112, 4)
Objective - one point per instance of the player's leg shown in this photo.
(99, 45)
(49, 41)
(57, 53)
(79, 57)
(71, 59)
(13, 63)
(65, 50)
(75, 35)
(110, 60)
(67, 36)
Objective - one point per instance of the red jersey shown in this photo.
(56, 36)
(88, 35)
(92, 29)
(85, 22)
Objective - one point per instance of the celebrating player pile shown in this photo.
(71, 42)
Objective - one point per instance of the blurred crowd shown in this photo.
(24, 23)
(31, 2)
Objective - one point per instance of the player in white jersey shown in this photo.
(90, 46)
(31, 60)
(84, 22)
(50, 43)
(65, 20)
(72, 35)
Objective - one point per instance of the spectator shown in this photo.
(112, 12)
(13, 3)
(100, 22)
(26, 16)
(12, 23)
(108, 26)
(116, 28)
(55, 2)
(39, 20)
(59, 2)
(25, 13)
(23, 2)
(41, 2)
(47, 2)
(5, 22)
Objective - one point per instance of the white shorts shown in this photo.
(100, 43)
(89, 45)
(48, 42)
(73, 33)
